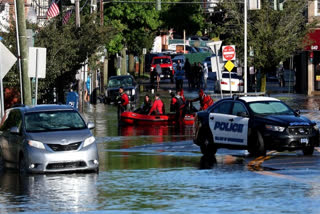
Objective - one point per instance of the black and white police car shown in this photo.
(256, 124)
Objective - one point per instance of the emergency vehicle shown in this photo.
(255, 124)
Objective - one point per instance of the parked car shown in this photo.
(175, 61)
(256, 124)
(166, 67)
(47, 138)
(224, 82)
(129, 85)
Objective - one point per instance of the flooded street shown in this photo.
(157, 169)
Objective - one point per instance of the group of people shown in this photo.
(178, 104)
(196, 74)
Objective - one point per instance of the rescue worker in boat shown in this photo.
(178, 105)
(123, 101)
(205, 100)
(157, 107)
(146, 105)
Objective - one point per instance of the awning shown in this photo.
(313, 41)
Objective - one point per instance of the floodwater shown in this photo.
(158, 170)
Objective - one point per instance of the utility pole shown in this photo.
(24, 52)
(158, 5)
(80, 81)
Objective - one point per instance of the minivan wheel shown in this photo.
(308, 150)
(1, 162)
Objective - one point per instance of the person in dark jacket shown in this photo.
(146, 105)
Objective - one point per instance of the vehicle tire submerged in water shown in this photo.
(308, 150)
(22, 166)
(207, 146)
(256, 145)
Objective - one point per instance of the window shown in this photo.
(238, 108)
(223, 108)
(317, 7)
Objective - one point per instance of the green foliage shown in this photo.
(137, 24)
(67, 50)
(180, 17)
(274, 35)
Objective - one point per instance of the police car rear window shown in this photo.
(270, 107)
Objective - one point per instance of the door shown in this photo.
(226, 126)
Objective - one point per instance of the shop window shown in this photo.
(317, 7)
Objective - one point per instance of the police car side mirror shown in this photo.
(242, 114)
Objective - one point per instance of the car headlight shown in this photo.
(88, 141)
(36, 144)
(275, 128)
(133, 91)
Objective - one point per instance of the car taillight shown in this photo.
(224, 83)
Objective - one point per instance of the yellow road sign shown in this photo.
(229, 66)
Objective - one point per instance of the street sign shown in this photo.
(37, 62)
(7, 60)
(228, 52)
(229, 66)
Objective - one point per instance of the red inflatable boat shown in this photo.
(130, 118)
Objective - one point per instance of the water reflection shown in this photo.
(56, 192)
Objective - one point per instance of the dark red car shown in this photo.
(166, 66)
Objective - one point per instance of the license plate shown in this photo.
(304, 140)
(161, 75)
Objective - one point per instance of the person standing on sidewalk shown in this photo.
(158, 73)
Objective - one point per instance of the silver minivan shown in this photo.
(47, 138)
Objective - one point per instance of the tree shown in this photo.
(180, 17)
(273, 35)
(67, 49)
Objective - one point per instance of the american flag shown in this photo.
(66, 17)
(53, 10)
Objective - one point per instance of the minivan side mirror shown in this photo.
(90, 125)
(14, 130)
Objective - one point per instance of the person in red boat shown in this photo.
(205, 100)
(157, 107)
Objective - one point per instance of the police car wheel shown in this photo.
(207, 147)
(256, 145)
(308, 150)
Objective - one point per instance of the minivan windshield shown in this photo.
(53, 121)
(270, 108)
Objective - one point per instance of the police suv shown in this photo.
(256, 124)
